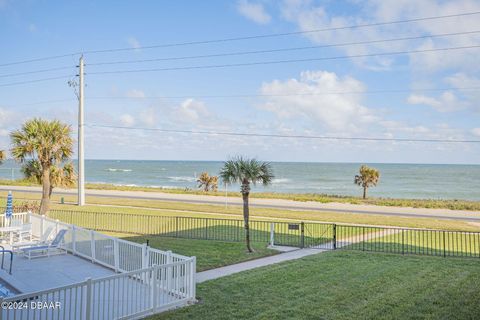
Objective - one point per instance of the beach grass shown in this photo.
(452, 204)
(343, 285)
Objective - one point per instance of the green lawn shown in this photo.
(210, 254)
(165, 208)
(344, 285)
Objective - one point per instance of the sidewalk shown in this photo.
(257, 263)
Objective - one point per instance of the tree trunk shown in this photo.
(246, 218)
(45, 203)
(364, 192)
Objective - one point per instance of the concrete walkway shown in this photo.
(257, 263)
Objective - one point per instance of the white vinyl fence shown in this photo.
(149, 280)
(4, 222)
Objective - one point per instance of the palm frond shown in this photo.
(246, 171)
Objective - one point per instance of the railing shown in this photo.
(150, 280)
(124, 296)
(444, 243)
(23, 216)
(3, 251)
(120, 255)
(176, 226)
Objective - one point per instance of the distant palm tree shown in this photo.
(63, 176)
(49, 143)
(368, 177)
(2, 156)
(207, 182)
(246, 172)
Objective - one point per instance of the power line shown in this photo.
(282, 61)
(283, 135)
(287, 94)
(43, 102)
(34, 71)
(282, 49)
(33, 81)
(39, 59)
(244, 52)
(271, 35)
(251, 95)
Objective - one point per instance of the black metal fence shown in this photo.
(298, 234)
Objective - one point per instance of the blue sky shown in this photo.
(32, 29)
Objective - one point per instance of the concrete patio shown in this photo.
(50, 272)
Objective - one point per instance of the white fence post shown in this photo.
(42, 219)
(144, 256)
(92, 243)
(74, 240)
(194, 278)
(155, 287)
(169, 273)
(272, 234)
(116, 255)
(88, 301)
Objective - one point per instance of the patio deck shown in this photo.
(50, 272)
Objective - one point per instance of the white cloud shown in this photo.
(476, 132)
(308, 15)
(446, 102)
(148, 116)
(310, 98)
(253, 11)
(135, 93)
(191, 110)
(127, 120)
(134, 43)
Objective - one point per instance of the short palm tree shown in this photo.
(207, 182)
(2, 156)
(246, 172)
(367, 178)
(49, 143)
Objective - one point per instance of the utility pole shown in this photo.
(81, 151)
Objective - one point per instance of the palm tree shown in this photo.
(368, 177)
(59, 177)
(2, 156)
(246, 172)
(47, 142)
(207, 182)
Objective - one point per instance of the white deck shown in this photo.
(50, 272)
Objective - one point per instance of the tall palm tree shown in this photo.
(63, 176)
(246, 172)
(49, 143)
(368, 177)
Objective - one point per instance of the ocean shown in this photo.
(421, 181)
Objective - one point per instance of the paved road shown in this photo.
(470, 216)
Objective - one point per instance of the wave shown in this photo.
(281, 180)
(182, 178)
(118, 170)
